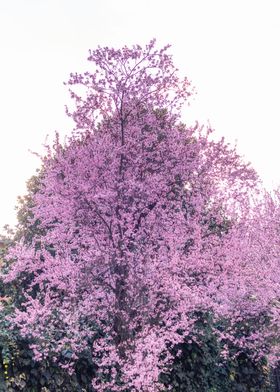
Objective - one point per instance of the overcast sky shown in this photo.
(229, 49)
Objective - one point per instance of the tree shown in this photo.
(142, 217)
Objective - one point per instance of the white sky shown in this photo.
(229, 49)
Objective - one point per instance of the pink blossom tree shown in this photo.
(146, 222)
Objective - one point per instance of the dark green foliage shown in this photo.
(200, 367)
(24, 374)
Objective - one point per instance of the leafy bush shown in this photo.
(200, 367)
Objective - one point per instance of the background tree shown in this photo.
(27, 227)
